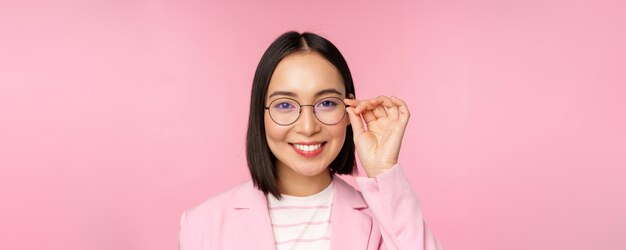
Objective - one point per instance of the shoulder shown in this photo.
(207, 219)
(346, 194)
(216, 206)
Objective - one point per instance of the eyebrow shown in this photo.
(294, 95)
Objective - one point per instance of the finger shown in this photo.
(368, 116)
(351, 102)
(392, 109)
(354, 103)
(355, 121)
(380, 111)
(402, 107)
(364, 105)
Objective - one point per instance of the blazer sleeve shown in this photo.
(394, 204)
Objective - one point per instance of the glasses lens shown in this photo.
(330, 110)
(284, 111)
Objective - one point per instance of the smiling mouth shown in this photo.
(310, 150)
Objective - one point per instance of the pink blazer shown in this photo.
(384, 215)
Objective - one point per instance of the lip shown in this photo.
(311, 153)
(308, 143)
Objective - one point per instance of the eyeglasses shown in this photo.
(285, 111)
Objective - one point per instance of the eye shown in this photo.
(326, 104)
(283, 106)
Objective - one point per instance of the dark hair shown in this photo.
(261, 161)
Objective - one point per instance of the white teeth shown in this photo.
(307, 148)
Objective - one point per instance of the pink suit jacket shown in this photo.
(384, 215)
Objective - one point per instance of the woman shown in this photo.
(303, 129)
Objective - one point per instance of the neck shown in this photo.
(299, 185)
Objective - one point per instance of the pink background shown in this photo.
(115, 116)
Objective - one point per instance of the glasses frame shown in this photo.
(311, 105)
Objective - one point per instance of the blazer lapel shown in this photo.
(252, 226)
(350, 228)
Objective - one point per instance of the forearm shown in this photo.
(394, 204)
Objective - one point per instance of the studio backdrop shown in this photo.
(115, 116)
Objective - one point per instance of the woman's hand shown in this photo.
(378, 144)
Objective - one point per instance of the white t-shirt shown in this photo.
(302, 222)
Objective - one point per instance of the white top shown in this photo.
(302, 222)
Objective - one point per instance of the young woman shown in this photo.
(303, 129)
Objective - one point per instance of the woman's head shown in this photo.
(299, 69)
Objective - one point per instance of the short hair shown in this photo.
(261, 161)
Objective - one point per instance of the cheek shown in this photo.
(273, 132)
(339, 133)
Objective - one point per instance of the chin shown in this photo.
(311, 171)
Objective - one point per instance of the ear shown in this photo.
(350, 96)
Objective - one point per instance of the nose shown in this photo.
(307, 124)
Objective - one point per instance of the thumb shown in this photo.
(356, 122)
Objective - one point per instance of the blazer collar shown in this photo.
(350, 228)
(347, 195)
(250, 219)
(248, 196)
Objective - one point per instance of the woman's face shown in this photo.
(305, 77)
